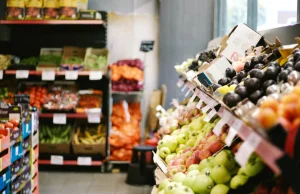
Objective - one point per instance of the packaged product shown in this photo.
(82, 5)
(68, 9)
(15, 9)
(33, 9)
(51, 9)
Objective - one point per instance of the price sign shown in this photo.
(94, 117)
(218, 128)
(147, 45)
(48, 75)
(247, 148)
(205, 109)
(22, 74)
(210, 115)
(57, 160)
(59, 118)
(84, 161)
(71, 75)
(1, 74)
(180, 83)
(27, 127)
(4, 177)
(199, 104)
(95, 75)
(17, 151)
(231, 134)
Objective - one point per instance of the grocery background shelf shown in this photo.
(68, 115)
(127, 93)
(33, 72)
(53, 22)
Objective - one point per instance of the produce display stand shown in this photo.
(269, 146)
(25, 38)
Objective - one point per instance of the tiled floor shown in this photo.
(87, 183)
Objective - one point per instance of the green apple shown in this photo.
(163, 184)
(207, 171)
(176, 132)
(185, 128)
(189, 180)
(200, 136)
(205, 163)
(220, 189)
(179, 153)
(164, 152)
(161, 192)
(178, 177)
(181, 138)
(180, 147)
(235, 170)
(193, 167)
(190, 142)
(172, 187)
(174, 126)
(197, 124)
(203, 184)
(161, 143)
(220, 174)
(194, 135)
(184, 190)
(225, 158)
(193, 172)
(170, 142)
(254, 166)
(169, 158)
(238, 181)
(242, 171)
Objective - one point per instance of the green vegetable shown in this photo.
(55, 134)
(33, 61)
(73, 60)
(50, 59)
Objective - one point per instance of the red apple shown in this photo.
(211, 138)
(203, 154)
(215, 146)
(262, 189)
(179, 161)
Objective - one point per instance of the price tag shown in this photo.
(218, 128)
(84, 161)
(199, 104)
(22, 74)
(59, 118)
(191, 74)
(4, 177)
(48, 75)
(210, 115)
(192, 98)
(57, 160)
(1, 74)
(27, 127)
(247, 148)
(94, 118)
(71, 75)
(205, 109)
(237, 125)
(184, 87)
(95, 75)
(17, 150)
(231, 134)
(180, 83)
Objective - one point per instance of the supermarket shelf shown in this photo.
(127, 93)
(70, 162)
(68, 115)
(52, 22)
(58, 73)
(119, 162)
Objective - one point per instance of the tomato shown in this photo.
(15, 122)
(2, 126)
(9, 125)
(2, 136)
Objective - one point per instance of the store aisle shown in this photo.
(87, 183)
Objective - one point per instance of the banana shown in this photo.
(84, 141)
(87, 134)
(76, 139)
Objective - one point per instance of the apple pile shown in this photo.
(12, 125)
(213, 175)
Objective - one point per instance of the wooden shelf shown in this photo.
(69, 163)
(52, 22)
(69, 115)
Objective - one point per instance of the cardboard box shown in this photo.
(6, 189)
(89, 149)
(25, 176)
(5, 160)
(26, 145)
(16, 185)
(92, 55)
(73, 58)
(26, 159)
(35, 190)
(27, 188)
(34, 169)
(4, 142)
(16, 169)
(34, 154)
(35, 181)
(61, 148)
(4, 178)
(16, 152)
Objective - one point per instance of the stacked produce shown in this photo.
(5, 61)
(37, 95)
(6, 96)
(12, 124)
(90, 135)
(92, 100)
(125, 132)
(127, 75)
(55, 134)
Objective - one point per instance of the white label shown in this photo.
(95, 75)
(84, 161)
(1, 74)
(27, 127)
(57, 160)
(163, 121)
(210, 115)
(184, 87)
(191, 74)
(218, 128)
(205, 109)
(180, 83)
(188, 92)
(160, 164)
(71, 75)
(247, 148)
(14, 116)
(48, 75)
(230, 136)
(59, 118)
(94, 117)
(17, 150)
(22, 74)
(4, 177)
(192, 98)
(237, 125)
(199, 104)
